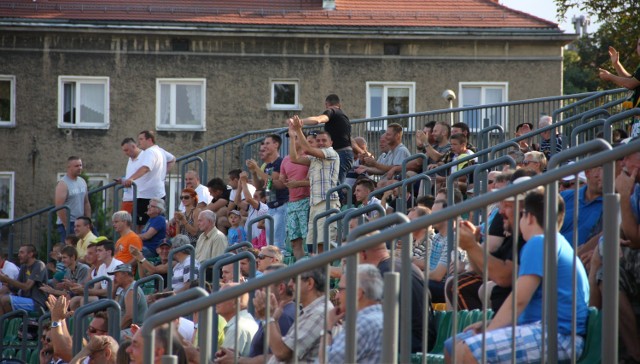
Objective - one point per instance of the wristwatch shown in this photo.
(55, 324)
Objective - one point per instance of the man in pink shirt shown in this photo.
(295, 177)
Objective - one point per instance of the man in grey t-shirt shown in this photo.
(71, 191)
(390, 164)
(33, 274)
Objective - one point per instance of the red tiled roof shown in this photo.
(348, 13)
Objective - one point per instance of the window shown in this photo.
(390, 98)
(173, 187)
(7, 189)
(180, 104)
(284, 95)
(83, 102)
(477, 94)
(7, 101)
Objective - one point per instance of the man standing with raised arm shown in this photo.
(337, 124)
(323, 162)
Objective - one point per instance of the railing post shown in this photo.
(338, 188)
(154, 277)
(315, 227)
(67, 224)
(202, 273)
(271, 229)
(192, 252)
(85, 310)
(484, 137)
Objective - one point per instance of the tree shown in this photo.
(619, 29)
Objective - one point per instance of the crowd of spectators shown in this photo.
(293, 190)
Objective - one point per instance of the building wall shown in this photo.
(238, 72)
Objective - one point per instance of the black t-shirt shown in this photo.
(338, 127)
(279, 197)
(226, 195)
(417, 305)
(504, 252)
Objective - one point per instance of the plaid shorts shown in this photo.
(528, 341)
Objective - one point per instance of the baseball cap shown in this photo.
(121, 268)
(235, 212)
(179, 241)
(164, 242)
(581, 176)
(99, 239)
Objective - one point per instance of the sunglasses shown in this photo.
(93, 330)
(313, 133)
(262, 256)
(185, 197)
(490, 181)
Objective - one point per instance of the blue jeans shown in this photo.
(62, 231)
(279, 215)
(346, 162)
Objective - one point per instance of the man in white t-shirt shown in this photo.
(131, 150)
(234, 183)
(104, 252)
(192, 180)
(150, 175)
(9, 269)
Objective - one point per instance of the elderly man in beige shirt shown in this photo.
(212, 242)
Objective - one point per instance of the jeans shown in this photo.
(279, 215)
(346, 162)
(62, 231)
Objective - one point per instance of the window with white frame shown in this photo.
(285, 95)
(7, 101)
(7, 190)
(390, 98)
(479, 94)
(173, 188)
(83, 102)
(180, 104)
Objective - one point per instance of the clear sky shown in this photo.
(546, 9)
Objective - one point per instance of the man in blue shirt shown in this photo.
(529, 300)
(589, 211)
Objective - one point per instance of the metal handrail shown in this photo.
(202, 274)
(93, 307)
(338, 188)
(236, 246)
(358, 212)
(358, 244)
(581, 99)
(154, 277)
(50, 222)
(95, 280)
(192, 263)
(315, 227)
(271, 229)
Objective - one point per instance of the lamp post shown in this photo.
(449, 95)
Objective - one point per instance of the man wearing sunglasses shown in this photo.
(268, 255)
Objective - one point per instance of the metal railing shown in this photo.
(358, 243)
(218, 158)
